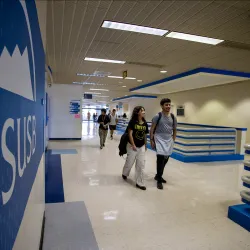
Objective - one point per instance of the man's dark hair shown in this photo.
(104, 110)
(165, 100)
(114, 110)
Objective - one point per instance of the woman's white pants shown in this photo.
(137, 157)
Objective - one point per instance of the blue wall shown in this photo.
(21, 118)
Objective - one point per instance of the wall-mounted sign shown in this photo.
(125, 74)
(74, 107)
(87, 96)
(180, 111)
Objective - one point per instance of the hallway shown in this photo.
(190, 213)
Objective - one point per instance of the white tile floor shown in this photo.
(190, 213)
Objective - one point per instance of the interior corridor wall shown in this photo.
(226, 105)
(152, 106)
(22, 92)
(62, 124)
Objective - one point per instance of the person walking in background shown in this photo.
(113, 123)
(162, 137)
(104, 121)
(137, 131)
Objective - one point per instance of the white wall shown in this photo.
(226, 105)
(152, 106)
(62, 124)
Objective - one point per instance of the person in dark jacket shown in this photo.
(104, 121)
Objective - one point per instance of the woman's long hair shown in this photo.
(135, 113)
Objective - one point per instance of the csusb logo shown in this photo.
(18, 97)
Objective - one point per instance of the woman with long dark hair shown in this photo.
(137, 146)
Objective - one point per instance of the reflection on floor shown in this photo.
(190, 213)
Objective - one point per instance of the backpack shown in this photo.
(160, 115)
(123, 144)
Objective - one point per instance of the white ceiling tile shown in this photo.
(74, 32)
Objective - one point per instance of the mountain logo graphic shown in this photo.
(17, 65)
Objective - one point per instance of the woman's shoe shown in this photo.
(124, 177)
(141, 187)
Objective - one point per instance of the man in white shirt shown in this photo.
(113, 123)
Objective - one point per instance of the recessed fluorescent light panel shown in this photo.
(86, 83)
(93, 93)
(194, 38)
(163, 71)
(100, 89)
(130, 78)
(118, 77)
(103, 60)
(133, 28)
(89, 75)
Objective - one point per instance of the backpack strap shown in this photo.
(160, 115)
(172, 115)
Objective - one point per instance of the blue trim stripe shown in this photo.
(246, 185)
(199, 158)
(209, 126)
(204, 144)
(247, 202)
(205, 130)
(136, 96)
(207, 158)
(206, 126)
(204, 151)
(54, 192)
(247, 152)
(247, 168)
(192, 72)
(206, 137)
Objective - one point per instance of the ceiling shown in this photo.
(74, 32)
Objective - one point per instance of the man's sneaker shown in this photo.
(159, 185)
(162, 180)
(100, 147)
(124, 177)
(141, 187)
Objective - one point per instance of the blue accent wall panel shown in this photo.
(22, 112)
